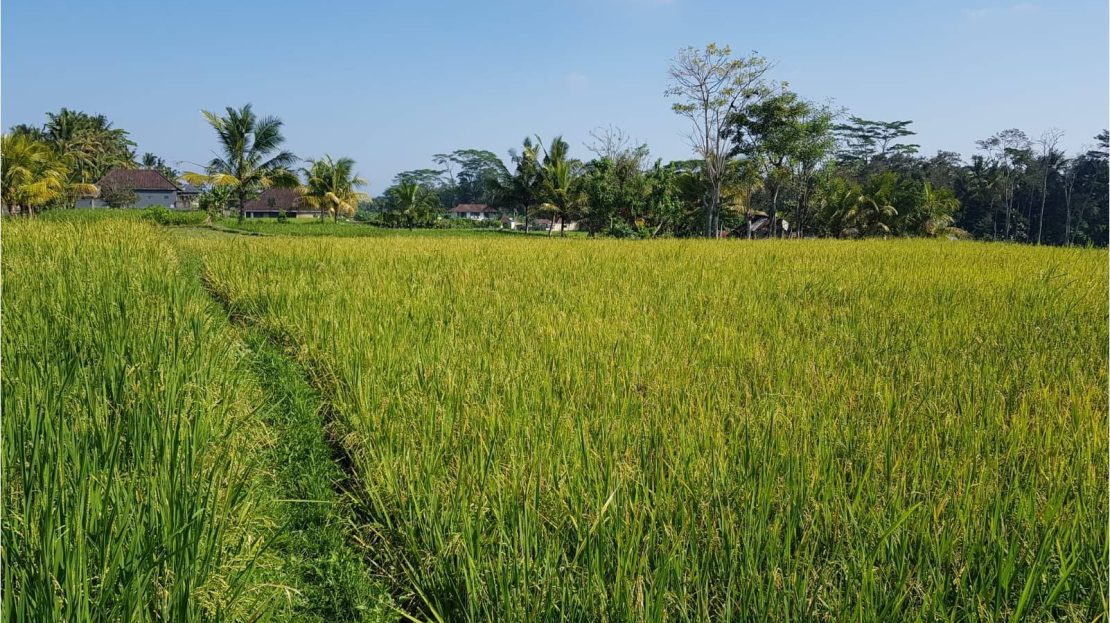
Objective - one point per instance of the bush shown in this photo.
(465, 223)
(118, 196)
(620, 229)
(164, 216)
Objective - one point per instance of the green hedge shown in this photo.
(164, 216)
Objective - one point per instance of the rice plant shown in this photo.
(694, 431)
(128, 424)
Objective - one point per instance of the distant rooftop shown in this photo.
(137, 179)
(283, 199)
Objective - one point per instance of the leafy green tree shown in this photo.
(252, 157)
(624, 173)
(599, 184)
(664, 208)
(330, 187)
(863, 140)
(480, 178)
(785, 137)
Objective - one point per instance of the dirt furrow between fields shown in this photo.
(337, 579)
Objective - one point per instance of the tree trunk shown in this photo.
(242, 206)
(773, 225)
(711, 211)
(1006, 229)
(1044, 197)
(562, 227)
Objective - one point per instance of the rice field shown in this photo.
(691, 430)
(127, 426)
(537, 429)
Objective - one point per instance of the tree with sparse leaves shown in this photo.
(710, 85)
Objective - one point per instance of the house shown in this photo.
(187, 197)
(275, 202)
(474, 211)
(151, 188)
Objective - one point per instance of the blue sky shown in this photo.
(391, 83)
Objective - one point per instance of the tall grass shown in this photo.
(680, 431)
(127, 423)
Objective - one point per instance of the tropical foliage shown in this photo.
(330, 185)
(35, 175)
(766, 162)
(251, 157)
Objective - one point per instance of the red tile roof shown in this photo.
(284, 199)
(472, 207)
(137, 179)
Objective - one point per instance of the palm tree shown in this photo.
(90, 142)
(560, 184)
(523, 187)
(413, 201)
(34, 175)
(330, 187)
(936, 212)
(870, 215)
(252, 157)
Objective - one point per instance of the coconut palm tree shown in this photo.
(936, 211)
(91, 144)
(871, 215)
(330, 187)
(32, 175)
(560, 184)
(523, 186)
(414, 202)
(251, 158)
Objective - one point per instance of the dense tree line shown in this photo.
(54, 164)
(765, 163)
(769, 163)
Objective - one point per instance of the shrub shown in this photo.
(465, 223)
(164, 216)
(117, 196)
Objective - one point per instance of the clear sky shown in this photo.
(391, 83)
